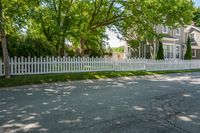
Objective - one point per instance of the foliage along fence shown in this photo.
(46, 65)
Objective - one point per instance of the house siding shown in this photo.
(195, 45)
(197, 37)
(172, 32)
(181, 37)
(176, 40)
(158, 29)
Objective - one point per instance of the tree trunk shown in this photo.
(58, 49)
(62, 51)
(82, 42)
(5, 56)
(4, 44)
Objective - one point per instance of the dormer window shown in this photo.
(165, 29)
(178, 32)
(192, 37)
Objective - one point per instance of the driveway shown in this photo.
(147, 104)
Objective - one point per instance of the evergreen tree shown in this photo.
(188, 54)
(160, 54)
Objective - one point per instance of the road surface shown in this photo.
(147, 104)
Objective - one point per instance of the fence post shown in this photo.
(28, 64)
(11, 66)
(1, 67)
(113, 66)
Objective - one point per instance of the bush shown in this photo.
(71, 52)
(28, 47)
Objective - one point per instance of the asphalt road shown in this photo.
(148, 104)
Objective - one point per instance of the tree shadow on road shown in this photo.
(161, 102)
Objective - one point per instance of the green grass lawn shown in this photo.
(48, 78)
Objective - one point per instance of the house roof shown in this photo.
(192, 27)
(168, 37)
(195, 47)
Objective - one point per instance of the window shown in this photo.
(168, 51)
(193, 52)
(165, 29)
(178, 31)
(178, 56)
(192, 37)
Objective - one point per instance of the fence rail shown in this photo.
(45, 65)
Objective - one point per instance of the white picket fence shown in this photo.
(45, 65)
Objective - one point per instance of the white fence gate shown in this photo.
(45, 65)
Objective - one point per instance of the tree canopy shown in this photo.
(43, 27)
(196, 17)
(144, 15)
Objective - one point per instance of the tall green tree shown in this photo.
(93, 18)
(81, 22)
(160, 53)
(51, 19)
(188, 54)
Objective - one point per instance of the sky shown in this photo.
(115, 42)
(197, 2)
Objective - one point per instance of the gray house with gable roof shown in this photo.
(174, 43)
